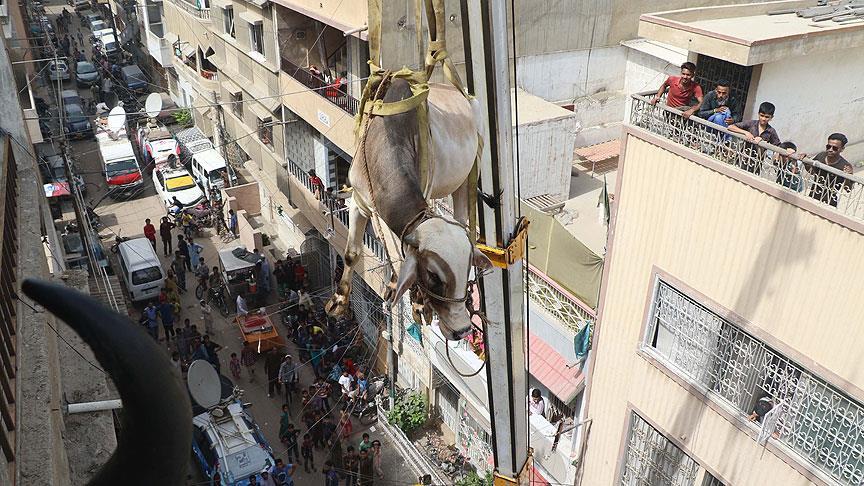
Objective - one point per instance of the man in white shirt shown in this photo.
(242, 310)
(536, 403)
(345, 381)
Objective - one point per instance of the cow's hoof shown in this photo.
(336, 305)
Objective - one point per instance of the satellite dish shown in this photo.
(203, 383)
(116, 119)
(153, 105)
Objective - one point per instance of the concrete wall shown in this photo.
(299, 144)
(771, 264)
(40, 453)
(247, 197)
(807, 116)
(546, 155)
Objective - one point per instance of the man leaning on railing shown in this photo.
(681, 90)
(825, 185)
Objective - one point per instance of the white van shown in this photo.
(207, 168)
(141, 269)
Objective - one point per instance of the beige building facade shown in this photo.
(726, 352)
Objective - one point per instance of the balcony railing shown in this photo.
(825, 184)
(194, 10)
(371, 241)
(557, 301)
(332, 92)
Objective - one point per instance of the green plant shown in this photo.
(474, 479)
(183, 117)
(409, 412)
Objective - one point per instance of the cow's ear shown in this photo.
(407, 275)
(480, 260)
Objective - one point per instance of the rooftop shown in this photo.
(751, 34)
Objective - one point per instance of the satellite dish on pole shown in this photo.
(116, 121)
(153, 105)
(203, 383)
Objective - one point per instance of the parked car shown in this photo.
(79, 4)
(90, 18)
(171, 183)
(86, 74)
(53, 169)
(70, 97)
(98, 24)
(134, 78)
(58, 71)
(76, 124)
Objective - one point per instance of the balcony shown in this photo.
(826, 185)
(370, 241)
(193, 10)
(334, 93)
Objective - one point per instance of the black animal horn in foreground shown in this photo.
(155, 440)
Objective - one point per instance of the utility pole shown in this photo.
(488, 65)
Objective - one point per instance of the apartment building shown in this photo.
(725, 349)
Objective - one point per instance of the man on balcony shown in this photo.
(718, 105)
(681, 90)
(826, 186)
(760, 130)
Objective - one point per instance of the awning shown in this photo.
(187, 49)
(550, 369)
(251, 17)
(347, 17)
(261, 112)
(232, 87)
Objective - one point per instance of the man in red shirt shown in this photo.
(150, 232)
(682, 89)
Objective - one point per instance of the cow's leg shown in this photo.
(353, 251)
(460, 202)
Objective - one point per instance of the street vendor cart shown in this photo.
(237, 266)
(258, 329)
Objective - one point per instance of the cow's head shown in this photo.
(438, 254)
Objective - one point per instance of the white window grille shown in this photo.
(820, 425)
(367, 307)
(652, 460)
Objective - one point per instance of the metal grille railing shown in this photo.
(823, 183)
(8, 286)
(371, 242)
(192, 9)
(335, 94)
(817, 423)
(548, 295)
(652, 460)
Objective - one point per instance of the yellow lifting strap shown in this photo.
(419, 81)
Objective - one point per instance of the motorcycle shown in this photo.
(117, 240)
(216, 297)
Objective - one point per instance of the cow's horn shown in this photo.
(156, 429)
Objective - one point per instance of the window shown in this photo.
(228, 21)
(256, 37)
(822, 425)
(265, 131)
(237, 104)
(652, 460)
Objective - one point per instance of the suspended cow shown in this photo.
(438, 253)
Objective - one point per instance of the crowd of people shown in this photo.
(720, 108)
(320, 431)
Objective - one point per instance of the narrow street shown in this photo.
(126, 216)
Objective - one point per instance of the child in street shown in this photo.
(306, 452)
(248, 357)
(235, 366)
